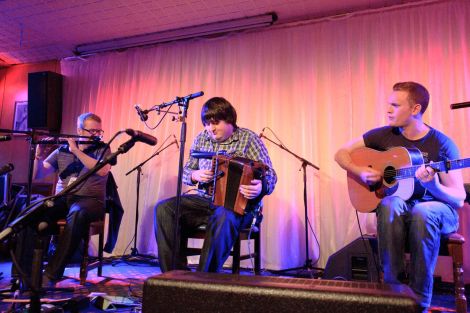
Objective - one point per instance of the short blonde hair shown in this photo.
(87, 116)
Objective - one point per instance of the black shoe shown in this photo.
(48, 282)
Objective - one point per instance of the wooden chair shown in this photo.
(452, 245)
(236, 251)
(96, 228)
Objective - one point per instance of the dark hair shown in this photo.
(417, 93)
(218, 109)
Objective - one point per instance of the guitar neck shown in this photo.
(442, 166)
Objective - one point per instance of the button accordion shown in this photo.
(229, 173)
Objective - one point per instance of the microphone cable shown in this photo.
(365, 248)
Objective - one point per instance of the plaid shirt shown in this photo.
(242, 143)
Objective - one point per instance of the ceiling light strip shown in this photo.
(177, 34)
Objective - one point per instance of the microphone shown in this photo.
(143, 116)
(178, 99)
(176, 141)
(197, 154)
(202, 154)
(6, 168)
(194, 95)
(262, 132)
(137, 135)
(5, 138)
(461, 105)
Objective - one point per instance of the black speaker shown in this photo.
(45, 100)
(182, 291)
(358, 261)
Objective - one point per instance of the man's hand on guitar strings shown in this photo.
(253, 190)
(370, 176)
(426, 175)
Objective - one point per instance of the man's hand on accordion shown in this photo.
(202, 176)
(253, 190)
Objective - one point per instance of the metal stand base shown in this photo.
(305, 271)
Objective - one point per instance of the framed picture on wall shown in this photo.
(20, 120)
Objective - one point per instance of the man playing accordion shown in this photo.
(220, 133)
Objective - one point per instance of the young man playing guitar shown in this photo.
(418, 219)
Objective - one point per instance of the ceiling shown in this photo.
(40, 30)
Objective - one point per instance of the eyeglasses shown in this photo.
(94, 132)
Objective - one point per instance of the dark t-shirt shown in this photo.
(434, 146)
(69, 167)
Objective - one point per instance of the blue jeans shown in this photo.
(418, 225)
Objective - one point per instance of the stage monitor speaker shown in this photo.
(358, 261)
(183, 291)
(45, 101)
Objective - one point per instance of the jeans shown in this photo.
(222, 229)
(420, 226)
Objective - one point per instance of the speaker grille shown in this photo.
(181, 291)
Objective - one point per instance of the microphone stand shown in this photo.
(32, 156)
(183, 105)
(138, 168)
(307, 270)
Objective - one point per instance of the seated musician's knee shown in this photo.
(163, 209)
(390, 206)
(222, 216)
(76, 214)
(422, 214)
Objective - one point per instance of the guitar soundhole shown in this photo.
(389, 175)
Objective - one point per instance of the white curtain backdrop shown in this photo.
(316, 85)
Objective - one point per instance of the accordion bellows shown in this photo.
(229, 174)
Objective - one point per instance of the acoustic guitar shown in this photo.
(398, 166)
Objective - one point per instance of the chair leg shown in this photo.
(236, 257)
(100, 253)
(257, 254)
(455, 251)
(84, 264)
